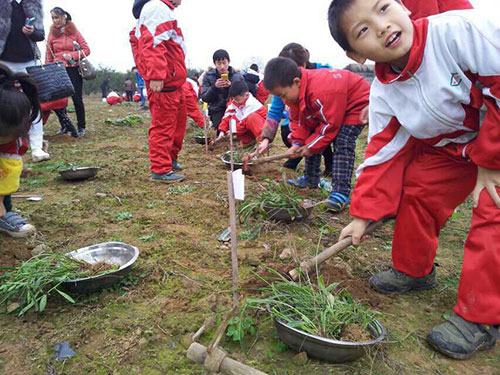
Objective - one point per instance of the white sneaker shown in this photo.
(38, 155)
(15, 226)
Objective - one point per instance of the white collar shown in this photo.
(18, 1)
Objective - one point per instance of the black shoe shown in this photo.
(61, 131)
(394, 282)
(460, 339)
(81, 132)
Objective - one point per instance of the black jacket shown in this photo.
(217, 97)
(252, 81)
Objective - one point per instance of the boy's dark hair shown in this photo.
(297, 53)
(19, 106)
(254, 67)
(336, 11)
(220, 54)
(238, 88)
(280, 71)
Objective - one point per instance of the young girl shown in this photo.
(19, 107)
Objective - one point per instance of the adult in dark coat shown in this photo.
(215, 88)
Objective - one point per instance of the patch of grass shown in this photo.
(182, 189)
(122, 216)
(129, 120)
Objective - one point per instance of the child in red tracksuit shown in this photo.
(19, 107)
(159, 52)
(427, 152)
(191, 90)
(325, 107)
(249, 114)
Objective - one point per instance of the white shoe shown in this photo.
(38, 155)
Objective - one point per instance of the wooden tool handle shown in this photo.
(270, 158)
(308, 265)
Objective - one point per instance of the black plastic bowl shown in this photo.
(333, 351)
(226, 159)
(200, 139)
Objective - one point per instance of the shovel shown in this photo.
(246, 159)
(308, 265)
(31, 198)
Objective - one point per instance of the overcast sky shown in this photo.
(248, 30)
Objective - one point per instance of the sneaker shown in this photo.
(176, 166)
(15, 226)
(38, 155)
(336, 202)
(166, 177)
(394, 282)
(81, 132)
(325, 184)
(301, 182)
(460, 339)
(61, 131)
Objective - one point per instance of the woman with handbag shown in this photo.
(21, 26)
(66, 44)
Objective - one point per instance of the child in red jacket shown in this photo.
(159, 52)
(325, 107)
(249, 113)
(19, 107)
(191, 90)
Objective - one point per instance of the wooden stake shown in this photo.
(223, 364)
(234, 248)
(206, 123)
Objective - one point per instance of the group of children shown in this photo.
(427, 151)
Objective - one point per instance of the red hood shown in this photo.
(384, 71)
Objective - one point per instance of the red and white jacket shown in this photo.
(434, 100)
(158, 45)
(191, 88)
(427, 8)
(240, 112)
(328, 99)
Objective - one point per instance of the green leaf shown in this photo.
(43, 302)
(66, 297)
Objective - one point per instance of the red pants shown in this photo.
(193, 110)
(433, 185)
(166, 132)
(113, 100)
(250, 128)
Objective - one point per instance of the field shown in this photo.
(183, 274)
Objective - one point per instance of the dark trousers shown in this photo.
(216, 118)
(293, 163)
(104, 93)
(77, 81)
(130, 96)
(65, 121)
(7, 202)
(343, 159)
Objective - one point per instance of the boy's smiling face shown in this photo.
(379, 30)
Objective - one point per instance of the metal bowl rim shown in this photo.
(338, 342)
(126, 265)
(229, 163)
(75, 169)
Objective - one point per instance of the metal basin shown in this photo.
(75, 174)
(226, 159)
(108, 252)
(282, 214)
(333, 351)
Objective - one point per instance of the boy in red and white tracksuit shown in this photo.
(113, 98)
(427, 152)
(191, 90)
(249, 114)
(159, 52)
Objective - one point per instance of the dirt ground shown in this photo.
(183, 274)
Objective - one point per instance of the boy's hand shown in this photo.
(222, 83)
(221, 135)
(263, 146)
(363, 117)
(28, 30)
(356, 229)
(156, 85)
(487, 179)
(305, 152)
(293, 152)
